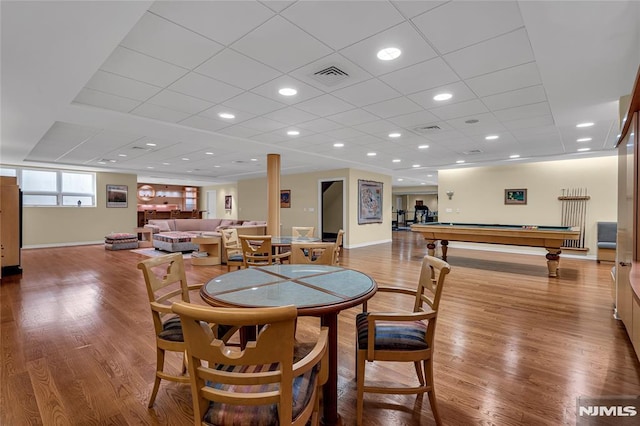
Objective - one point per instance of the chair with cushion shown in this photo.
(312, 253)
(302, 231)
(258, 251)
(338, 247)
(607, 241)
(231, 244)
(149, 215)
(264, 384)
(403, 336)
(166, 283)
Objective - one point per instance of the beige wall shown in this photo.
(305, 203)
(479, 193)
(221, 192)
(58, 226)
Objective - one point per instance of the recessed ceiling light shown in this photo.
(166, 164)
(184, 159)
(254, 159)
(584, 125)
(459, 161)
(371, 154)
(209, 153)
(514, 156)
(216, 166)
(442, 97)
(389, 53)
(583, 140)
(423, 183)
(584, 149)
(293, 133)
(491, 137)
(122, 155)
(150, 144)
(396, 160)
(287, 91)
(400, 179)
(149, 167)
(429, 175)
(338, 145)
(102, 162)
(395, 135)
(423, 146)
(112, 161)
(415, 165)
(227, 115)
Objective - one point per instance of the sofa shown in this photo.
(175, 235)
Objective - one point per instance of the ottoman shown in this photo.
(174, 241)
(120, 241)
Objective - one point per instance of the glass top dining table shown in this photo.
(316, 290)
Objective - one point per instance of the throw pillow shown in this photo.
(163, 226)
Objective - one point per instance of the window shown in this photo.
(57, 188)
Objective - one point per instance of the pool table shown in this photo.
(549, 237)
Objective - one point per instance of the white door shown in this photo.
(212, 197)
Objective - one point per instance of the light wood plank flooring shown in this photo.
(514, 347)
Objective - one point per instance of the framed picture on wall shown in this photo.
(369, 202)
(515, 196)
(117, 195)
(285, 199)
(227, 202)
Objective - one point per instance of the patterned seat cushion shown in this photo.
(172, 330)
(220, 414)
(393, 335)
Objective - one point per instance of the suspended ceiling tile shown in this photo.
(179, 102)
(366, 93)
(128, 63)
(162, 39)
(121, 86)
(517, 77)
(371, 17)
(159, 113)
(206, 88)
(105, 100)
(281, 45)
(238, 70)
(254, 104)
(425, 75)
(514, 98)
(459, 24)
(502, 52)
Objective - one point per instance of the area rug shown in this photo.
(151, 252)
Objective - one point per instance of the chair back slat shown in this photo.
(313, 253)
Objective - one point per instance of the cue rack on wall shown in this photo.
(574, 213)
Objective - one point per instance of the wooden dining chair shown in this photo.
(148, 215)
(302, 231)
(258, 251)
(233, 249)
(264, 384)
(338, 247)
(403, 336)
(312, 253)
(166, 283)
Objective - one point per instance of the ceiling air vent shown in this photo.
(472, 152)
(427, 129)
(330, 76)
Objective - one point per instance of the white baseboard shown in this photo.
(370, 243)
(71, 244)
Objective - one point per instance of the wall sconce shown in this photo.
(449, 194)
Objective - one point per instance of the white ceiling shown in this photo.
(86, 83)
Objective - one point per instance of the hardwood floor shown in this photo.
(514, 347)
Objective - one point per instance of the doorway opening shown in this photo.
(332, 211)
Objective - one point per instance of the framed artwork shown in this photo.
(227, 202)
(117, 195)
(369, 201)
(515, 196)
(285, 198)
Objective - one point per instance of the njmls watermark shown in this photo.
(619, 410)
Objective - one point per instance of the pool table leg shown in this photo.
(431, 247)
(553, 258)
